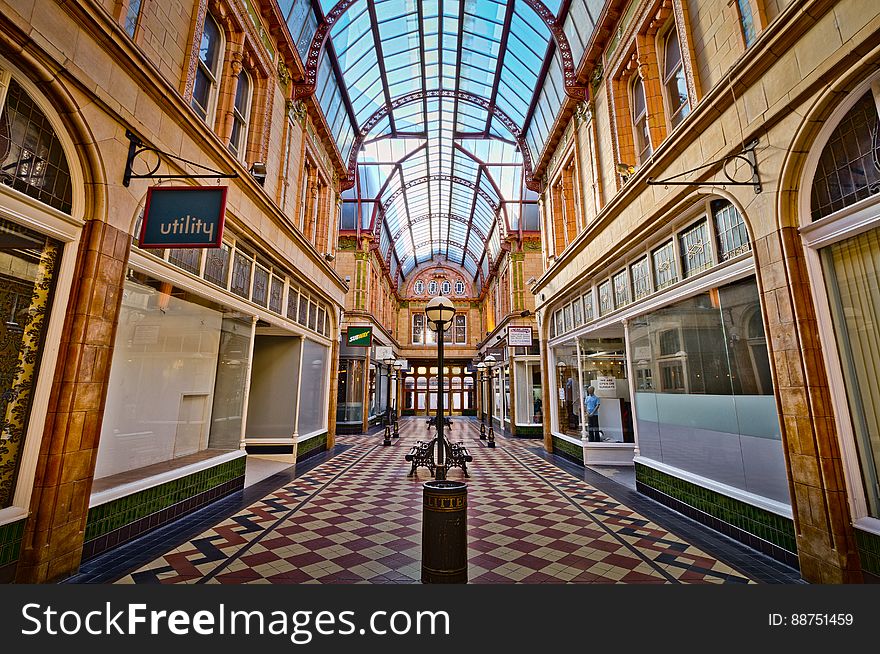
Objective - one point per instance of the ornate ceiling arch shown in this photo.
(461, 96)
(313, 58)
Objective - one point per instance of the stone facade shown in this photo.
(101, 82)
(804, 57)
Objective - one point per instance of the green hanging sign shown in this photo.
(359, 336)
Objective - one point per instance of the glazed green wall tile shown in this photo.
(869, 551)
(10, 541)
(311, 444)
(569, 448)
(766, 525)
(118, 513)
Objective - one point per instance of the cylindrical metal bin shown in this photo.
(444, 533)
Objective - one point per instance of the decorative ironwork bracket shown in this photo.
(747, 155)
(136, 147)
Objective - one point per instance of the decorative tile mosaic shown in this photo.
(357, 519)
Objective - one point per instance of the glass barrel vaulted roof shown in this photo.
(438, 97)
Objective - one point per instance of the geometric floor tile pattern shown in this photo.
(357, 519)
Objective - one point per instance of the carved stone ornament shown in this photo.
(283, 73)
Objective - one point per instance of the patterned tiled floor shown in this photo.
(357, 519)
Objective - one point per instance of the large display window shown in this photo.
(177, 379)
(704, 394)
(28, 270)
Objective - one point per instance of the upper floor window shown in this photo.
(418, 328)
(640, 119)
(208, 72)
(446, 288)
(241, 111)
(432, 288)
(674, 84)
(747, 21)
(459, 288)
(132, 12)
(696, 249)
(730, 228)
(419, 287)
(460, 329)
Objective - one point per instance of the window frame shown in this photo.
(674, 116)
(640, 126)
(213, 76)
(241, 117)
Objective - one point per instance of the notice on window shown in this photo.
(606, 384)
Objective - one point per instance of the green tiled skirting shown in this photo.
(10, 541)
(764, 525)
(570, 450)
(305, 447)
(118, 513)
(532, 432)
(869, 551)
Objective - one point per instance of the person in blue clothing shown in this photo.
(591, 403)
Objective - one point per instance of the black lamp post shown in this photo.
(481, 378)
(440, 311)
(387, 440)
(489, 361)
(397, 367)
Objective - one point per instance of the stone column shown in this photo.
(825, 540)
(53, 539)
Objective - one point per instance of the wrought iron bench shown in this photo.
(421, 455)
(459, 457)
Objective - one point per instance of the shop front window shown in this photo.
(350, 391)
(176, 380)
(28, 271)
(567, 399)
(704, 393)
(529, 397)
(603, 367)
(852, 274)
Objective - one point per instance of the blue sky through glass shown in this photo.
(445, 171)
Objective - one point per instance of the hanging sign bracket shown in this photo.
(136, 147)
(747, 156)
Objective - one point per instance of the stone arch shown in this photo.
(43, 83)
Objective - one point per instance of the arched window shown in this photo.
(459, 288)
(31, 156)
(241, 112)
(208, 71)
(674, 85)
(849, 166)
(432, 288)
(419, 287)
(640, 119)
(446, 288)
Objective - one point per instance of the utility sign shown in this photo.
(359, 336)
(183, 217)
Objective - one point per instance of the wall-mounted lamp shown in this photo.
(329, 256)
(258, 172)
